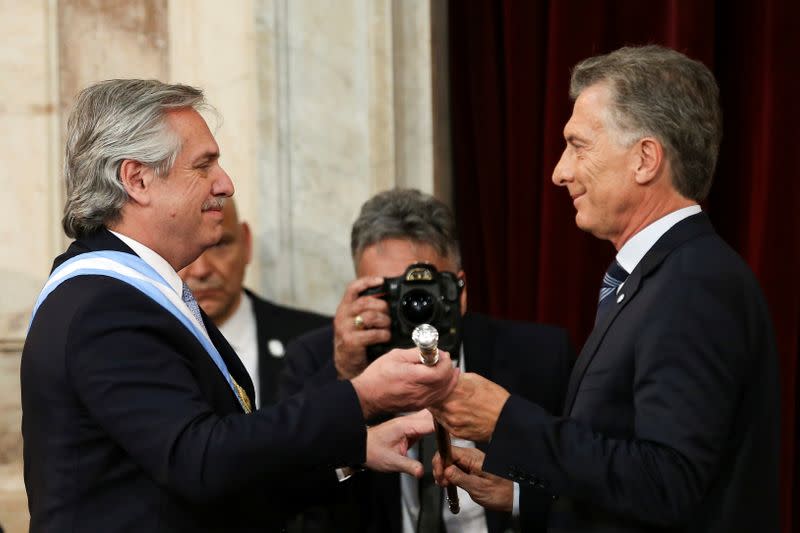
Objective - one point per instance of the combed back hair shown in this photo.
(661, 93)
(112, 121)
(406, 214)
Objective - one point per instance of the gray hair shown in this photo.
(112, 121)
(662, 93)
(406, 214)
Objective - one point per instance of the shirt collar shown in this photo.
(158, 263)
(637, 246)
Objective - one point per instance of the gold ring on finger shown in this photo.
(358, 322)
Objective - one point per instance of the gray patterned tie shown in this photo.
(191, 303)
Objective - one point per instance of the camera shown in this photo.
(422, 295)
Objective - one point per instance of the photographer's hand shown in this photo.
(359, 322)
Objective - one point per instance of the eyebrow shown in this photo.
(572, 138)
(205, 157)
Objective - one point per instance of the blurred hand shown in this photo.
(397, 381)
(350, 340)
(471, 411)
(388, 443)
(485, 489)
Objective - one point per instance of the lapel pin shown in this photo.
(620, 297)
(276, 349)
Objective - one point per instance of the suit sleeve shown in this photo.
(690, 366)
(138, 384)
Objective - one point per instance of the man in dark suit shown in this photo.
(671, 415)
(136, 411)
(257, 329)
(395, 229)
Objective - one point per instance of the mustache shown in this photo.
(215, 204)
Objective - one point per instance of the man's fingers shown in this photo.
(369, 304)
(470, 460)
(401, 463)
(359, 285)
(366, 337)
(420, 423)
(438, 470)
(455, 476)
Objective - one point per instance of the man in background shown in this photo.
(670, 421)
(257, 329)
(395, 229)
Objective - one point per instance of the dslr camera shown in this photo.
(422, 295)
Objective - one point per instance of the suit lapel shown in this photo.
(476, 340)
(627, 293)
(681, 232)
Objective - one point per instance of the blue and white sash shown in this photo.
(134, 271)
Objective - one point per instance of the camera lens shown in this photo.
(417, 306)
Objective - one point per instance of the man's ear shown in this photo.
(463, 276)
(650, 160)
(136, 178)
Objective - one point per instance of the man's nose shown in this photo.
(562, 174)
(199, 269)
(223, 184)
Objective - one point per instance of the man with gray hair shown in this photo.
(670, 421)
(395, 229)
(137, 414)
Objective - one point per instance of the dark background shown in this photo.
(509, 76)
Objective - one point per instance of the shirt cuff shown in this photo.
(346, 472)
(515, 509)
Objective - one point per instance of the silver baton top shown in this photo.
(426, 338)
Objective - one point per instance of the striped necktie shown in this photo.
(615, 276)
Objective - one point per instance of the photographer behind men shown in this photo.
(408, 268)
(137, 413)
(257, 329)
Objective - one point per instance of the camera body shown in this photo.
(422, 295)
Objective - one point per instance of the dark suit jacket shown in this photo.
(129, 426)
(672, 405)
(277, 322)
(530, 360)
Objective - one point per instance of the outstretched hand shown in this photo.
(388, 443)
(471, 411)
(398, 382)
(488, 490)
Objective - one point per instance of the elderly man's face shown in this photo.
(187, 206)
(389, 258)
(597, 171)
(216, 276)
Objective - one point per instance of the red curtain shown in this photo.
(525, 258)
